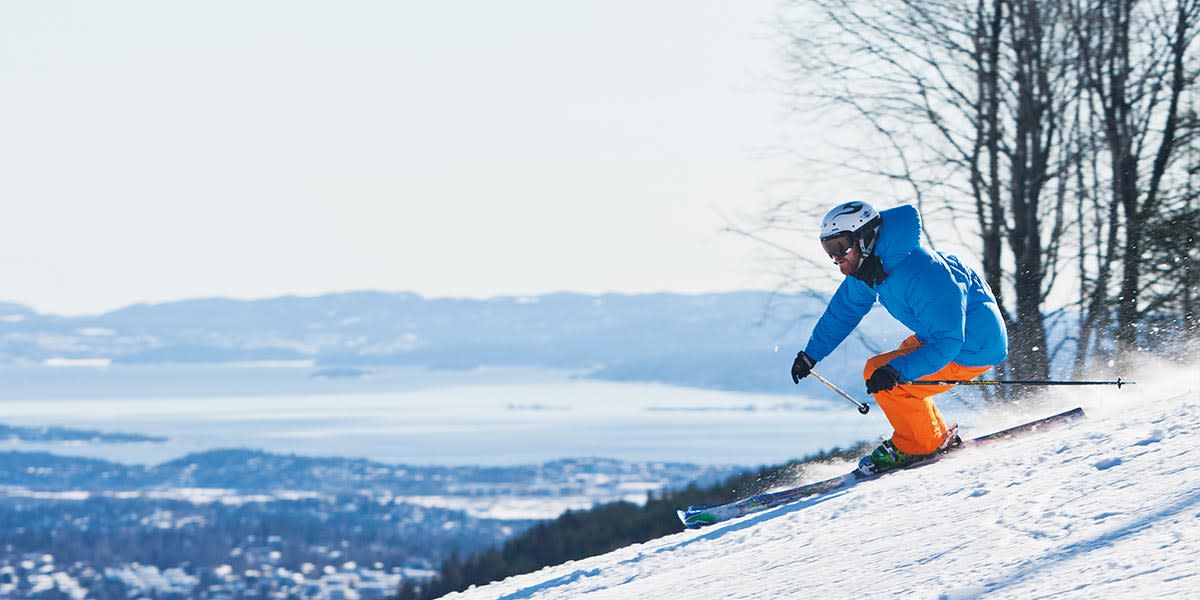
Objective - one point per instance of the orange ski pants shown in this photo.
(917, 422)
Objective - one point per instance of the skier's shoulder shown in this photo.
(923, 273)
(919, 262)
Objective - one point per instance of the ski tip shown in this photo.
(683, 518)
(695, 520)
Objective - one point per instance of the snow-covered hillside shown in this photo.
(1106, 507)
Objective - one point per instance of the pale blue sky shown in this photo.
(160, 150)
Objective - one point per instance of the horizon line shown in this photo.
(364, 291)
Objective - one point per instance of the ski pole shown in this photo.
(1117, 383)
(862, 408)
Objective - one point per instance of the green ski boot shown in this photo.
(888, 457)
(884, 458)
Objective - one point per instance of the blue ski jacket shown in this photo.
(946, 304)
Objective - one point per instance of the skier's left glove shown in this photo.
(884, 378)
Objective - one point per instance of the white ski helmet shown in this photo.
(848, 224)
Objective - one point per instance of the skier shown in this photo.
(959, 333)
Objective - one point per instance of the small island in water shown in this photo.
(65, 434)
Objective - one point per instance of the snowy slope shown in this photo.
(1108, 506)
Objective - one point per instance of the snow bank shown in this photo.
(1108, 506)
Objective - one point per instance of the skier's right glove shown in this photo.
(802, 366)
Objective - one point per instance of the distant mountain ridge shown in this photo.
(732, 340)
(253, 471)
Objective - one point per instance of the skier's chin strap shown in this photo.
(870, 268)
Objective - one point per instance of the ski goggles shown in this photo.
(838, 245)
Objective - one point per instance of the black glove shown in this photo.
(884, 378)
(802, 366)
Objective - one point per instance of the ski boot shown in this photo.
(888, 457)
(884, 458)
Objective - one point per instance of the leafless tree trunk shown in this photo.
(1037, 78)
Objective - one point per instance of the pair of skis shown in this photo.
(695, 517)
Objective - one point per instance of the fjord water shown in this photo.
(416, 416)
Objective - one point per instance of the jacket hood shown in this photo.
(899, 235)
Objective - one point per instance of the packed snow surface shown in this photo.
(1104, 507)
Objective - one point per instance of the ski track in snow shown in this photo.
(1108, 506)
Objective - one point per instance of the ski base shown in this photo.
(695, 517)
